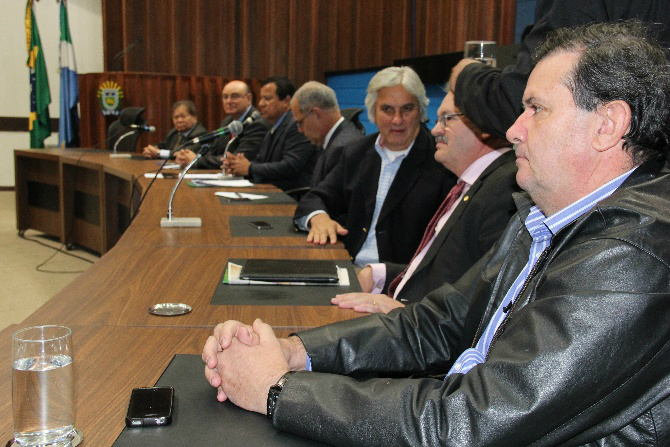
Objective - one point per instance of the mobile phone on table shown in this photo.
(150, 406)
(260, 225)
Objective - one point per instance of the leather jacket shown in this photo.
(583, 359)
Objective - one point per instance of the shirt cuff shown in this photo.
(378, 277)
(164, 153)
(308, 363)
(303, 222)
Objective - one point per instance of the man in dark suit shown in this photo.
(286, 158)
(387, 186)
(461, 234)
(186, 127)
(237, 104)
(317, 113)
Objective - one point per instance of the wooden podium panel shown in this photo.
(77, 196)
(38, 198)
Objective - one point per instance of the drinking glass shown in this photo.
(481, 50)
(43, 386)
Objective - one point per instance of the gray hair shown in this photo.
(393, 76)
(190, 106)
(315, 94)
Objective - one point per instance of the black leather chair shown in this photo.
(351, 114)
(120, 136)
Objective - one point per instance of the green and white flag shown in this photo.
(40, 98)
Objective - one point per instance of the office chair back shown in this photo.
(120, 134)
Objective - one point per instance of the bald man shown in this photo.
(237, 104)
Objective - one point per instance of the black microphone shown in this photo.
(143, 127)
(233, 128)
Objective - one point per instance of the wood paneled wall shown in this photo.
(300, 39)
(156, 93)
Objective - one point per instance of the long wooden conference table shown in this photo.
(118, 344)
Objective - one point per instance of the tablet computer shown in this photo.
(290, 270)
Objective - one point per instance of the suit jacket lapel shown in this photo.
(459, 210)
(334, 135)
(407, 175)
(288, 119)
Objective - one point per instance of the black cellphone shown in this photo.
(150, 406)
(260, 225)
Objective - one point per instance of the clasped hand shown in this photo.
(244, 361)
(236, 164)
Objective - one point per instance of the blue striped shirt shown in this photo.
(541, 229)
(369, 253)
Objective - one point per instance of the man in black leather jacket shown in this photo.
(581, 354)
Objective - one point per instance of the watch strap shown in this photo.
(274, 392)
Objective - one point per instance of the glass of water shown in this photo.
(481, 50)
(43, 386)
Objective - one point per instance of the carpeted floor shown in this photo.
(24, 289)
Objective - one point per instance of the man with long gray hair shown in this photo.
(387, 186)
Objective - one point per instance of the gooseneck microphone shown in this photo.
(233, 129)
(250, 119)
(143, 127)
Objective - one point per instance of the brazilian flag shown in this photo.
(40, 98)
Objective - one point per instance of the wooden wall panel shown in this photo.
(298, 38)
(156, 93)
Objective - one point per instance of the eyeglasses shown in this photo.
(442, 119)
(300, 121)
(234, 96)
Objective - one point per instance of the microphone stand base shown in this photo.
(181, 222)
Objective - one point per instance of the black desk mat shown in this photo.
(273, 198)
(254, 295)
(282, 226)
(200, 420)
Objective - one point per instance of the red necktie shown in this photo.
(448, 202)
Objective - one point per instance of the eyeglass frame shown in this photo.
(300, 122)
(445, 117)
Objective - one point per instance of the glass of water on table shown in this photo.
(43, 387)
(481, 50)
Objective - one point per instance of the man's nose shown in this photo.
(517, 132)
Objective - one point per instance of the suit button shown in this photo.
(365, 230)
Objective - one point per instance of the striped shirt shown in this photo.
(542, 229)
(391, 161)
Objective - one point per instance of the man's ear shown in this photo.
(612, 124)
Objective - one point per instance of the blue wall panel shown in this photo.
(525, 15)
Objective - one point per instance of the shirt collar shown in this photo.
(244, 115)
(472, 172)
(541, 226)
(186, 133)
(389, 155)
(279, 121)
(330, 133)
